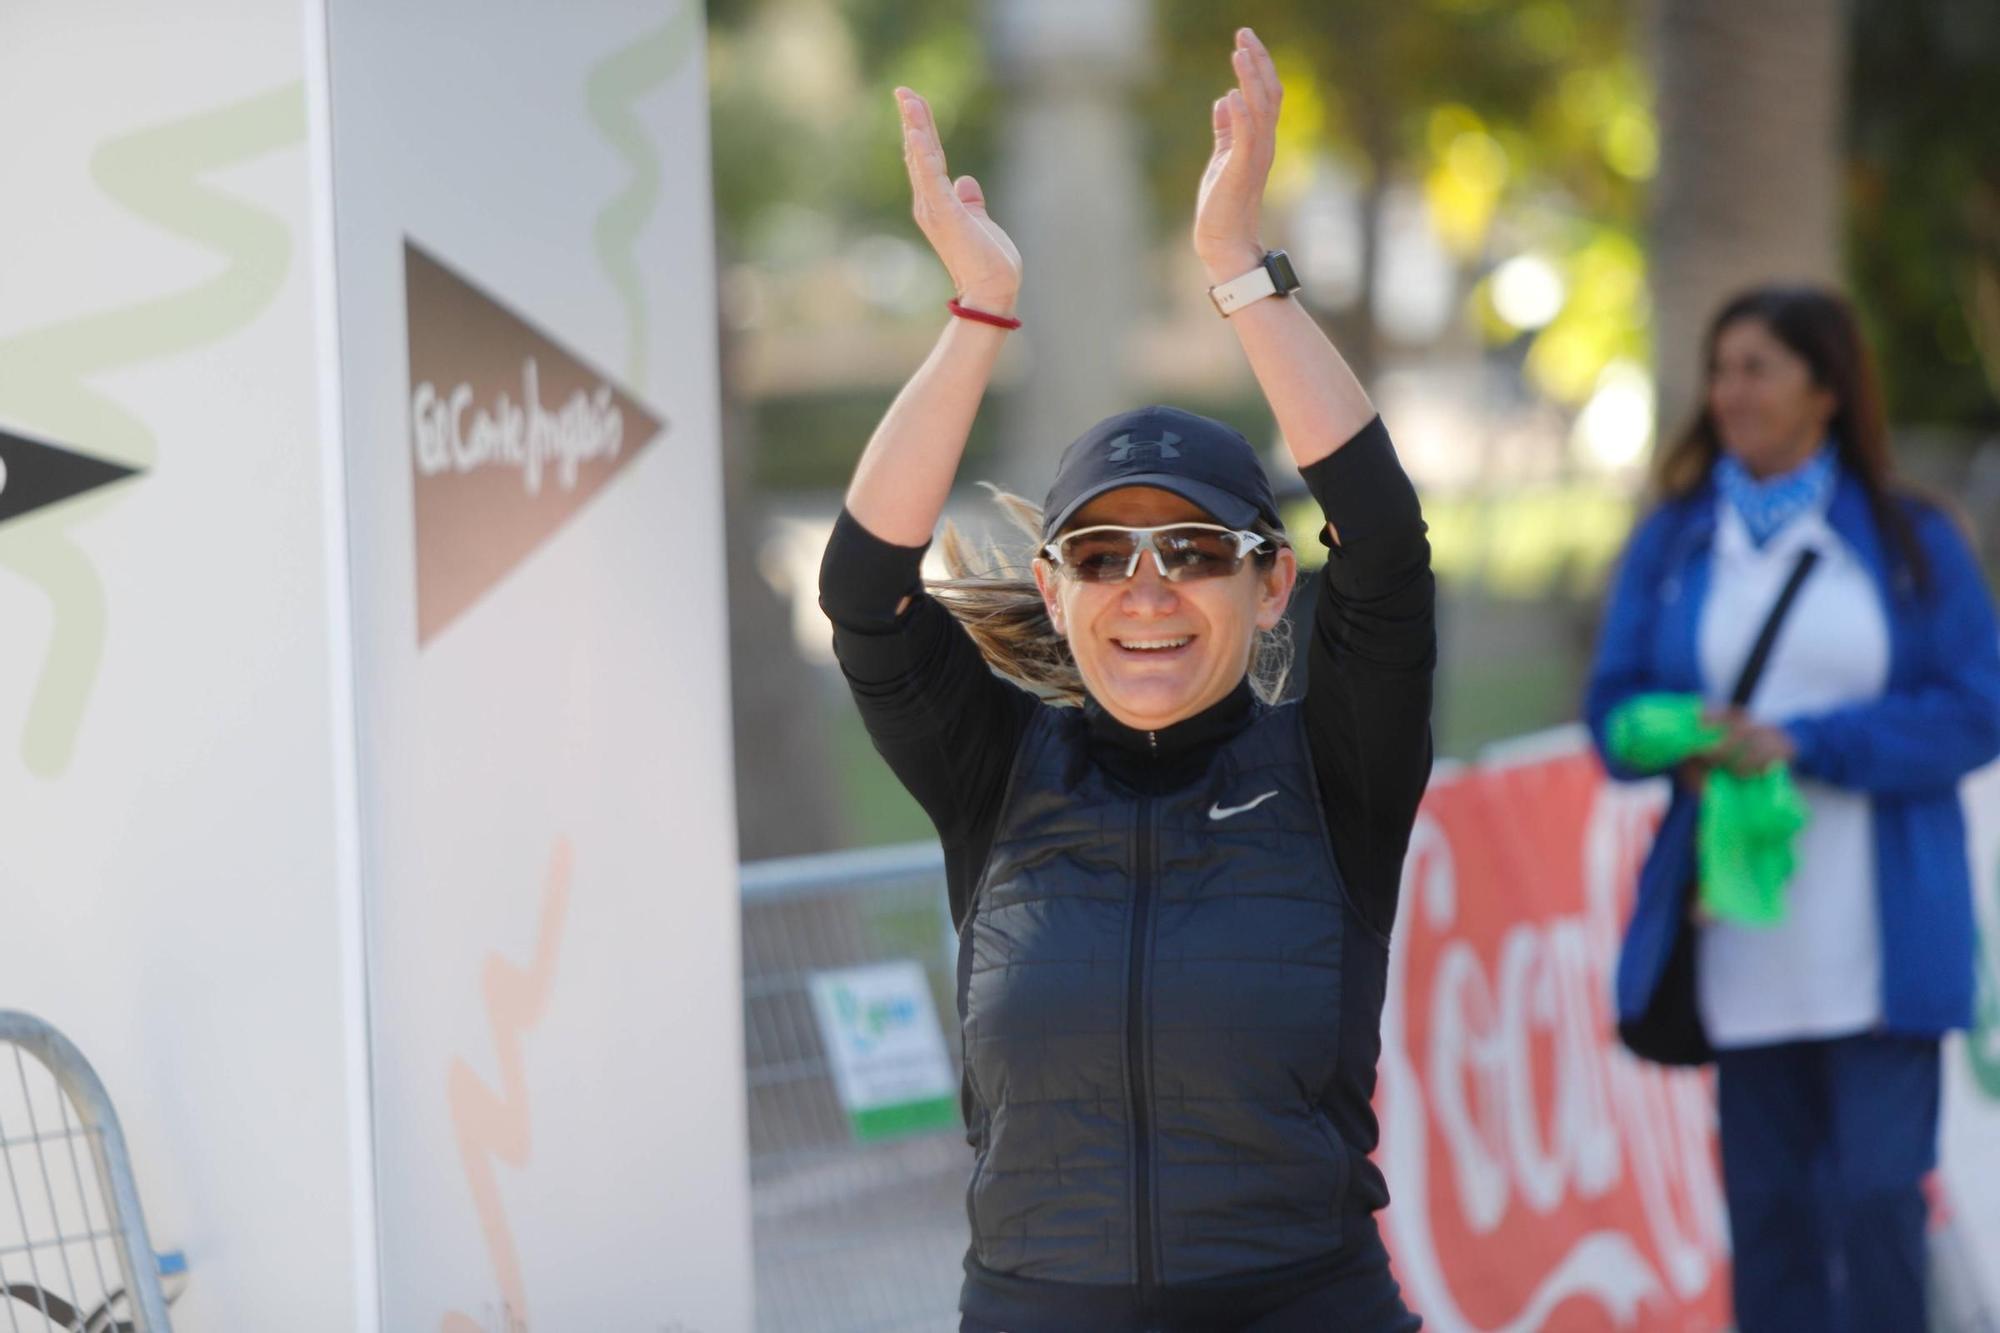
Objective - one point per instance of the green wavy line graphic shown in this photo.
(614, 84)
(44, 373)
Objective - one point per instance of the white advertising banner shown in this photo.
(175, 894)
(365, 798)
(1545, 1178)
(529, 398)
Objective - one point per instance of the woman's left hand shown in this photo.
(1226, 235)
(1748, 747)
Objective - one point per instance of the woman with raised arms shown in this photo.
(1173, 893)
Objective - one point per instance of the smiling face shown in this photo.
(1154, 653)
(1769, 412)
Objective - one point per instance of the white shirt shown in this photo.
(1818, 973)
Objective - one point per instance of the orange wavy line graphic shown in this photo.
(492, 1126)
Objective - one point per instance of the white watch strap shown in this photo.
(1231, 296)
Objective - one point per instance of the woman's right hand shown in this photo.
(985, 267)
(1747, 747)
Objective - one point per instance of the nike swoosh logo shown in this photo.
(1221, 811)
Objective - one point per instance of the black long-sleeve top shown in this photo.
(948, 726)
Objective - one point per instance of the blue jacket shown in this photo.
(1937, 720)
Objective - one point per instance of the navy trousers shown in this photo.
(1825, 1145)
(1362, 1297)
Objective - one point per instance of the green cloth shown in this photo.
(1657, 731)
(1746, 835)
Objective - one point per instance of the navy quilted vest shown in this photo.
(1150, 1004)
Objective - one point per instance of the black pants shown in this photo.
(1825, 1145)
(1363, 1299)
(1321, 1312)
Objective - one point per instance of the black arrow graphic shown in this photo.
(34, 474)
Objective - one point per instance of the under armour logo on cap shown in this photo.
(1125, 447)
(1166, 448)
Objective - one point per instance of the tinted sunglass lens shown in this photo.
(1099, 557)
(1198, 553)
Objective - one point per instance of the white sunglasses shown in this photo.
(1109, 552)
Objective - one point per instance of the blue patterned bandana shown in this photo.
(1767, 506)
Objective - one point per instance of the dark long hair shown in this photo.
(1820, 328)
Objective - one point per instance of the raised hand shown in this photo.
(1245, 119)
(985, 267)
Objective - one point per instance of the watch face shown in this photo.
(1282, 274)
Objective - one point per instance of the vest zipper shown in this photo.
(1135, 1046)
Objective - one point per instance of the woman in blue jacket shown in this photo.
(1881, 691)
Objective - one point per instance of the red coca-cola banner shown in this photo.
(1543, 1178)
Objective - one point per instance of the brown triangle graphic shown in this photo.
(510, 435)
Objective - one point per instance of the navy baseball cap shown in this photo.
(1194, 457)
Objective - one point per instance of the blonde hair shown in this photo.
(993, 594)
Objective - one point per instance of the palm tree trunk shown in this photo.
(1751, 104)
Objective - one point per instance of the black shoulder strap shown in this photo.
(1760, 652)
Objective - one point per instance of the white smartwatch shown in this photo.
(1273, 277)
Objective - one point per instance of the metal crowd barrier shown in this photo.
(74, 1255)
(849, 1237)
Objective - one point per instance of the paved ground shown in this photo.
(868, 1241)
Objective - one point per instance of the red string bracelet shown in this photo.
(984, 317)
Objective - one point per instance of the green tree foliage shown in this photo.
(1529, 112)
(1924, 202)
(803, 109)
(1554, 78)
(1527, 122)
(1527, 125)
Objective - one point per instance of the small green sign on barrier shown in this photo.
(886, 1050)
